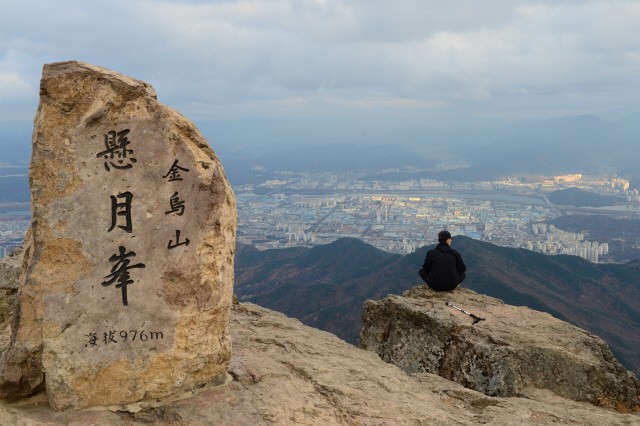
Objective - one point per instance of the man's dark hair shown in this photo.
(444, 236)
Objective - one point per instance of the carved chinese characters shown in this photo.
(131, 277)
(116, 151)
(174, 175)
(120, 272)
(121, 209)
(176, 205)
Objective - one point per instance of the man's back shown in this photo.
(443, 268)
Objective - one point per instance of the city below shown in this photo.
(312, 209)
(307, 210)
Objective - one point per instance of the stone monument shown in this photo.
(128, 284)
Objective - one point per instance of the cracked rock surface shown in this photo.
(286, 373)
(513, 349)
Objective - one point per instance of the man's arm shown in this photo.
(427, 262)
(460, 266)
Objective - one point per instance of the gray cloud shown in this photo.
(227, 59)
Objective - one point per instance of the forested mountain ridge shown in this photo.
(325, 286)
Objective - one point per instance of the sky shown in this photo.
(226, 60)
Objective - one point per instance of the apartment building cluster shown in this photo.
(296, 232)
(552, 240)
(633, 195)
(619, 184)
(567, 178)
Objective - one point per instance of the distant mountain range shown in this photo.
(493, 148)
(325, 286)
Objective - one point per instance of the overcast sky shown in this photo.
(291, 58)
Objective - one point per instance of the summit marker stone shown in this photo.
(128, 287)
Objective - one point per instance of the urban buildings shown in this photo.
(555, 241)
(310, 209)
(307, 210)
(567, 178)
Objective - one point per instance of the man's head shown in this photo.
(444, 237)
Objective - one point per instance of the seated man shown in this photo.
(443, 268)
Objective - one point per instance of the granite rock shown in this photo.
(286, 373)
(128, 286)
(513, 349)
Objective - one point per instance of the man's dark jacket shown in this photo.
(443, 267)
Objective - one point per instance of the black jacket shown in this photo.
(443, 267)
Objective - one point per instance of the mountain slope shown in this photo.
(342, 261)
(326, 286)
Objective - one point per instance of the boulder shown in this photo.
(128, 287)
(285, 373)
(512, 350)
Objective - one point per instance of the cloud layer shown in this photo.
(231, 59)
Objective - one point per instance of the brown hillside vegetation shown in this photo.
(326, 286)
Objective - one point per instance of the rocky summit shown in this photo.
(285, 373)
(508, 353)
(126, 288)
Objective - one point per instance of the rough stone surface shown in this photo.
(120, 306)
(10, 271)
(288, 374)
(21, 351)
(514, 349)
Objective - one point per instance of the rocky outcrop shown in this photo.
(21, 371)
(127, 289)
(10, 270)
(285, 373)
(514, 349)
